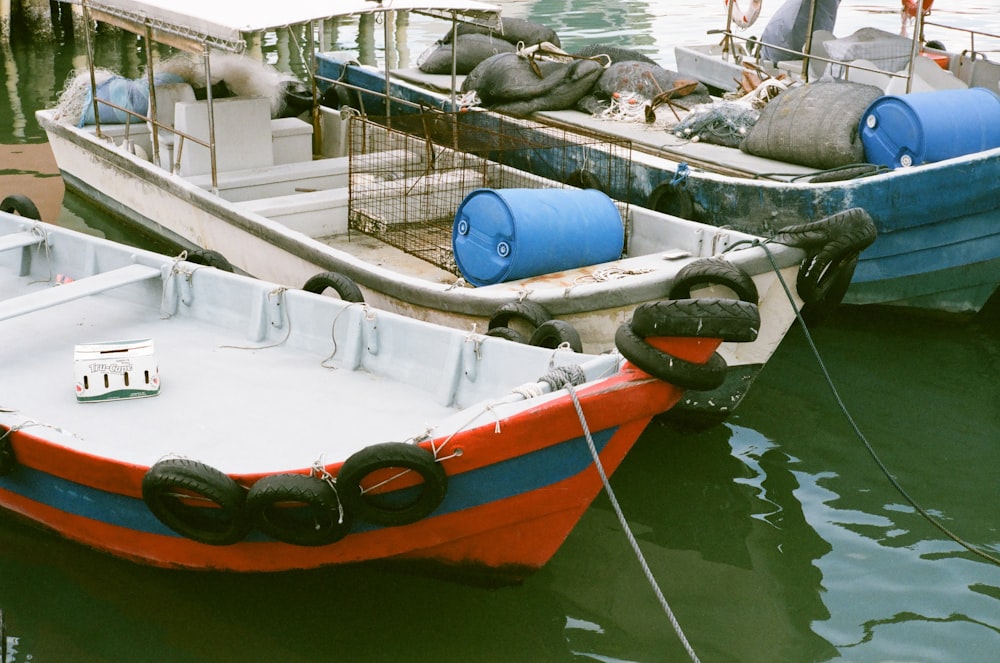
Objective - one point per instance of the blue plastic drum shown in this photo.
(923, 127)
(507, 234)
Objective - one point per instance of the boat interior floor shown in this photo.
(236, 403)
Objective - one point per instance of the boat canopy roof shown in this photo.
(222, 24)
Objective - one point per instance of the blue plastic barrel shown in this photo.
(506, 234)
(923, 127)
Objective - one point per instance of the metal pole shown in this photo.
(152, 94)
(809, 41)
(918, 30)
(454, 60)
(727, 41)
(90, 62)
(388, 87)
(211, 119)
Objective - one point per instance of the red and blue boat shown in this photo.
(179, 415)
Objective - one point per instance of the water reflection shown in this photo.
(716, 517)
(923, 393)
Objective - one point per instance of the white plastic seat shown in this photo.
(242, 134)
(167, 96)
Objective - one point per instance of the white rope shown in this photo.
(627, 107)
(318, 470)
(468, 100)
(333, 335)
(38, 231)
(764, 91)
(628, 531)
(528, 390)
(610, 274)
(279, 293)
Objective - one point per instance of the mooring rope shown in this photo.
(628, 530)
(277, 293)
(861, 436)
(38, 231)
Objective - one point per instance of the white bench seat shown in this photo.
(315, 213)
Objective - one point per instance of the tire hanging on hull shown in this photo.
(397, 455)
(299, 509)
(345, 288)
(20, 205)
(196, 501)
(210, 258)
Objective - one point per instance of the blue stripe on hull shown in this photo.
(492, 483)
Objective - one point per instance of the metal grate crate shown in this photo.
(410, 173)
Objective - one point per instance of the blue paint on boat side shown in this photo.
(944, 245)
(493, 483)
(79, 500)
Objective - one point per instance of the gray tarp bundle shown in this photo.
(813, 125)
(790, 25)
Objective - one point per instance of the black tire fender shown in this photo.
(209, 258)
(336, 97)
(714, 271)
(671, 198)
(345, 288)
(508, 334)
(530, 312)
(392, 455)
(822, 296)
(853, 226)
(20, 205)
(553, 333)
(169, 487)
(297, 508)
(666, 367)
(833, 247)
(728, 319)
(8, 460)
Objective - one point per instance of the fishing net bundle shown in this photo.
(75, 95)
(242, 76)
(719, 123)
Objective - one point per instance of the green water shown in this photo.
(774, 538)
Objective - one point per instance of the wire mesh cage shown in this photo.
(410, 173)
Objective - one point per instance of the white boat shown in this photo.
(179, 415)
(936, 252)
(278, 209)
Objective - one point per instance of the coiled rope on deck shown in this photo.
(857, 430)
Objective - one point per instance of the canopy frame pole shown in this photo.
(454, 60)
(210, 103)
(385, 50)
(918, 33)
(87, 25)
(152, 94)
